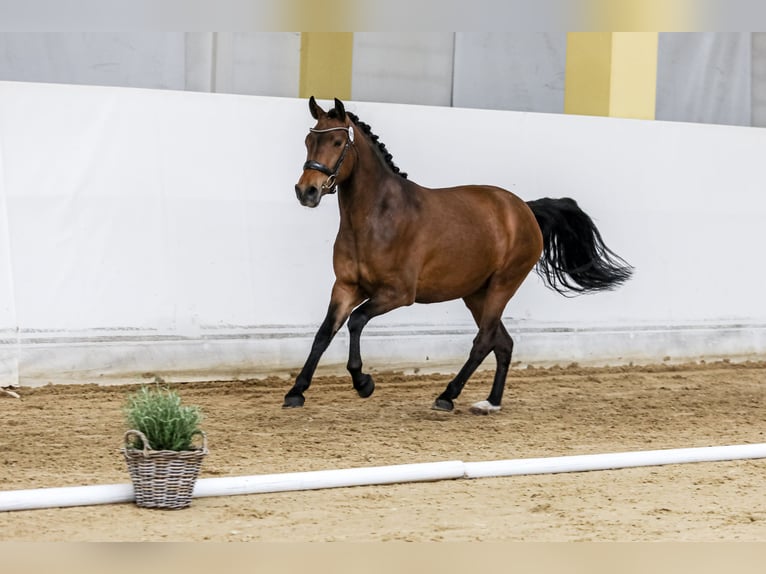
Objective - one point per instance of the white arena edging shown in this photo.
(418, 472)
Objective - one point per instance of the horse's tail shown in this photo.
(575, 258)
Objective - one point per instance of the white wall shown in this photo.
(706, 77)
(709, 77)
(138, 59)
(264, 63)
(403, 67)
(158, 231)
(494, 70)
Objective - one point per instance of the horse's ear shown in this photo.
(314, 108)
(340, 109)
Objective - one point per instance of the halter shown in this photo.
(330, 186)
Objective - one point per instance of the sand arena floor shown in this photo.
(62, 435)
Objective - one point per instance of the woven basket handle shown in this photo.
(204, 439)
(142, 437)
(147, 447)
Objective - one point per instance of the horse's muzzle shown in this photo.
(309, 195)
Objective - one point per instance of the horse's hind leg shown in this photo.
(503, 353)
(486, 307)
(483, 344)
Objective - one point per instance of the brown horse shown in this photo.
(400, 243)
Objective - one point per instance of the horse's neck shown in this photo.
(363, 190)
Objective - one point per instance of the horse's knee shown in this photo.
(356, 322)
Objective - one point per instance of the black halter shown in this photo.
(330, 186)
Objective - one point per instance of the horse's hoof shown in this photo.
(445, 405)
(365, 388)
(484, 408)
(293, 401)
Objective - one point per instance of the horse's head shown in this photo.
(328, 162)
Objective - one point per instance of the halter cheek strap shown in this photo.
(330, 185)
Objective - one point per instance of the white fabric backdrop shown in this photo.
(158, 231)
(9, 349)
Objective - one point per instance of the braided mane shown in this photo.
(384, 153)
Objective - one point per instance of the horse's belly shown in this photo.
(448, 286)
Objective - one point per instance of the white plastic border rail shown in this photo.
(417, 472)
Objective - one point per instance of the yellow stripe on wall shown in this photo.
(611, 74)
(326, 59)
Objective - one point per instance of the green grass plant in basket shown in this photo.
(157, 412)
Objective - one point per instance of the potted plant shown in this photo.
(162, 459)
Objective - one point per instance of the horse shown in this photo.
(400, 243)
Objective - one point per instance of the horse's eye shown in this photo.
(337, 143)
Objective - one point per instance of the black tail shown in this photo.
(575, 258)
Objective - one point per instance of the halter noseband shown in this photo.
(330, 186)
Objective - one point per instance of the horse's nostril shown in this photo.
(307, 195)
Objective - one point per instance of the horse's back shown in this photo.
(489, 212)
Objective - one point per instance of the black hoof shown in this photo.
(293, 401)
(443, 405)
(365, 388)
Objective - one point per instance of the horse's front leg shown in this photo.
(344, 298)
(377, 305)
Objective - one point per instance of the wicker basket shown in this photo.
(163, 478)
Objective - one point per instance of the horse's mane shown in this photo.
(384, 153)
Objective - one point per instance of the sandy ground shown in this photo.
(63, 435)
